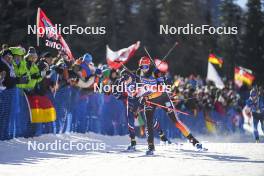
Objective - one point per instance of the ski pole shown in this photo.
(161, 106)
(168, 53)
(129, 71)
(150, 57)
(170, 50)
(184, 99)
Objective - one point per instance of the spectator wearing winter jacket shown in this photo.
(8, 81)
(7, 73)
(20, 66)
(45, 64)
(19, 62)
(32, 69)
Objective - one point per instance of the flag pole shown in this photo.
(56, 84)
(37, 24)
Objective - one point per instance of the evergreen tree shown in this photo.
(192, 49)
(253, 39)
(229, 45)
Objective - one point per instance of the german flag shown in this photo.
(243, 75)
(215, 60)
(209, 123)
(41, 109)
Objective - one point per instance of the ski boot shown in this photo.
(198, 146)
(132, 146)
(164, 139)
(150, 150)
(192, 139)
(257, 139)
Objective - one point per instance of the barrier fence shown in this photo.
(78, 111)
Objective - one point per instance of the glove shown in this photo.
(23, 80)
(156, 71)
(98, 71)
(160, 80)
(43, 66)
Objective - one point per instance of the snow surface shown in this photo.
(233, 156)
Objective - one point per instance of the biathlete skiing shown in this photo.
(151, 98)
(134, 108)
(255, 109)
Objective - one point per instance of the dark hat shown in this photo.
(6, 52)
(31, 51)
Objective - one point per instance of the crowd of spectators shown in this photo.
(44, 74)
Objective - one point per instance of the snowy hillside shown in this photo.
(224, 158)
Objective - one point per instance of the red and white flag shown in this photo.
(53, 38)
(115, 59)
(243, 76)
